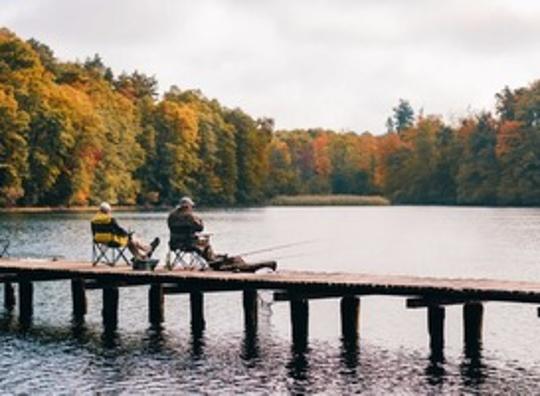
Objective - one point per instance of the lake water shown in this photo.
(55, 356)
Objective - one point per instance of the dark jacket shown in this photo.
(183, 225)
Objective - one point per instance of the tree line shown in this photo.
(73, 133)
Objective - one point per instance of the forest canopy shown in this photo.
(73, 133)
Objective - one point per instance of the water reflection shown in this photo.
(250, 345)
(6, 320)
(24, 323)
(298, 371)
(79, 331)
(472, 369)
(155, 339)
(110, 339)
(435, 371)
(198, 341)
(350, 353)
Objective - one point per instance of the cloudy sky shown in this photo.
(339, 64)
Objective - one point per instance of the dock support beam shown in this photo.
(250, 302)
(26, 293)
(350, 312)
(78, 296)
(196, 300)
(300, 323)
(9, 296)
(473, 313)
(156, 300)
(436, 316)
(110, 307)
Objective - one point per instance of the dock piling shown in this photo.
(250, 303)
(78, 296)
(300, 323)
(110, 307)
(436, 316)
(196, 299)
(9, 296)
(473, 313)
(26, 293)
(350, 313)
(156, 300)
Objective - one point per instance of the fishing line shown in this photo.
(277, 247)
(288, 256)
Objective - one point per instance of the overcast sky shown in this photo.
(305, 63)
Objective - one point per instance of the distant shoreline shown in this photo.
(279, 201)
(292, 200)
(76, 209)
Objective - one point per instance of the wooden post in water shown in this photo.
(300, 323)
(156, 300)
(110, 307)
(196, 299)
(250, 302)
(9, 296)
(350, 313)
(26, 292)
(78, 297)
(436, 316)
(473, 313)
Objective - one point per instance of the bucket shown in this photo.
(145, 265)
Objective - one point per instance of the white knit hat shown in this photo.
(105, 207)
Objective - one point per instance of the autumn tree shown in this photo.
(252, 142)
(283, 178)
(176, 151)
(13, 148)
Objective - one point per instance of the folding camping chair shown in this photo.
(187, 254)
(4, 246)
(107, 247)
(109, 253)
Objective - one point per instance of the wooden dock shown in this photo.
(295, 287)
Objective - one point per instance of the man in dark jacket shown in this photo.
(184, 226)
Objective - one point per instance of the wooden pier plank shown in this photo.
(296, 281)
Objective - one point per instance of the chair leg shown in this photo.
(186, 259)
(114, 257)
(111, 257)
(202, 262)
(100, 254)
(180, 259)
(122, 254)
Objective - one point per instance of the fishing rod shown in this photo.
(277, 247)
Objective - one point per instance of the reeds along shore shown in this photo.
(329, 200)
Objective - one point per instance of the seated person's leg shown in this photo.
(206, 248)
(141, 250)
